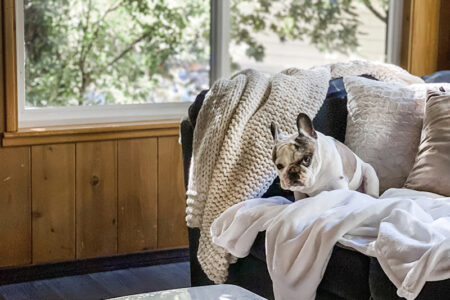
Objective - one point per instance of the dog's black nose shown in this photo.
(293, 176)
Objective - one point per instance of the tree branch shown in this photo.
(374, 11)
(126, 50)
(81, 60)
(86, 48)
(97, 30)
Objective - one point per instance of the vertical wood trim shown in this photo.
(2, 75)
(53, 202)
(15, 204)
(172, 229)
(10, 65)
(424, 37)
(96, 199)
(137, 194)
(406, 27)
(410, 34)
(444, 37)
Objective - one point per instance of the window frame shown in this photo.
(95, 114)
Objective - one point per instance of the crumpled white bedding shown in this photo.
(407, 231)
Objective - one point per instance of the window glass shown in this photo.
(96, 52)
(274, 35)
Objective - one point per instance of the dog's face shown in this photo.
(293, 156)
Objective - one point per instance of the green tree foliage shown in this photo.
(121, 51)
(100, 51)
(327, 24)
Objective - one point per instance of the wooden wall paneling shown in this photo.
(172, 230)
(424, 37)
(406, 27)
(53, 202)
(444, 36)
(137, 194)
(2, 75)
(10, 64)
(15, 204)
(96, 199)
(15, 139)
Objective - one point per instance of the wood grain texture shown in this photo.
(15, 204)
(96, 128)
(172, 230)
(10, 64)
(96, 199)
(32, 138)
(53, 198)
(137, 194)
(406, 27)
(444, 36)
(2, 74)
(424, 37)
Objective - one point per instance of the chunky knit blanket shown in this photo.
(231, 157)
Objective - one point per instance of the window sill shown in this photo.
(90, 132)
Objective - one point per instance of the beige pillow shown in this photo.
(431, 170)
(383, 126)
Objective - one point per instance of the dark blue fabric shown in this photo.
(331, 119)
(441, 76)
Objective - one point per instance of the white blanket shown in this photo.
(407, 231)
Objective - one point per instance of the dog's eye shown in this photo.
(279, 166)
(306, 160)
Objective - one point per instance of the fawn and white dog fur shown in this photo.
(310, 162)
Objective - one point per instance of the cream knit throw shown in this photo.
(231, 157)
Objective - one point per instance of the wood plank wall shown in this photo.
(80, 200)
(2, 76)
(444, 36)
(426, 36)
(15, 203)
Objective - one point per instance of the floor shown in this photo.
(102, 285)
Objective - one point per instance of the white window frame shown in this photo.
(219, 68)
(394, 32)
(74, 115)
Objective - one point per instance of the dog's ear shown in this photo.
(304, 125)
(275, 131)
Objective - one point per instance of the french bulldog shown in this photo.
(309, 162)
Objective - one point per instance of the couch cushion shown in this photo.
(440, 76)
(384, 118)
(332, 117)
(382, 288)
(431, 170)
(195, 107)
(258, 249)
(347, 274)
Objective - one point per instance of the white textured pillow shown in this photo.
(383, 126)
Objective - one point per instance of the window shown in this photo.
(275, 35)
(126, 60)
(109, 60)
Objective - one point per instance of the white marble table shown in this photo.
(208, 292)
